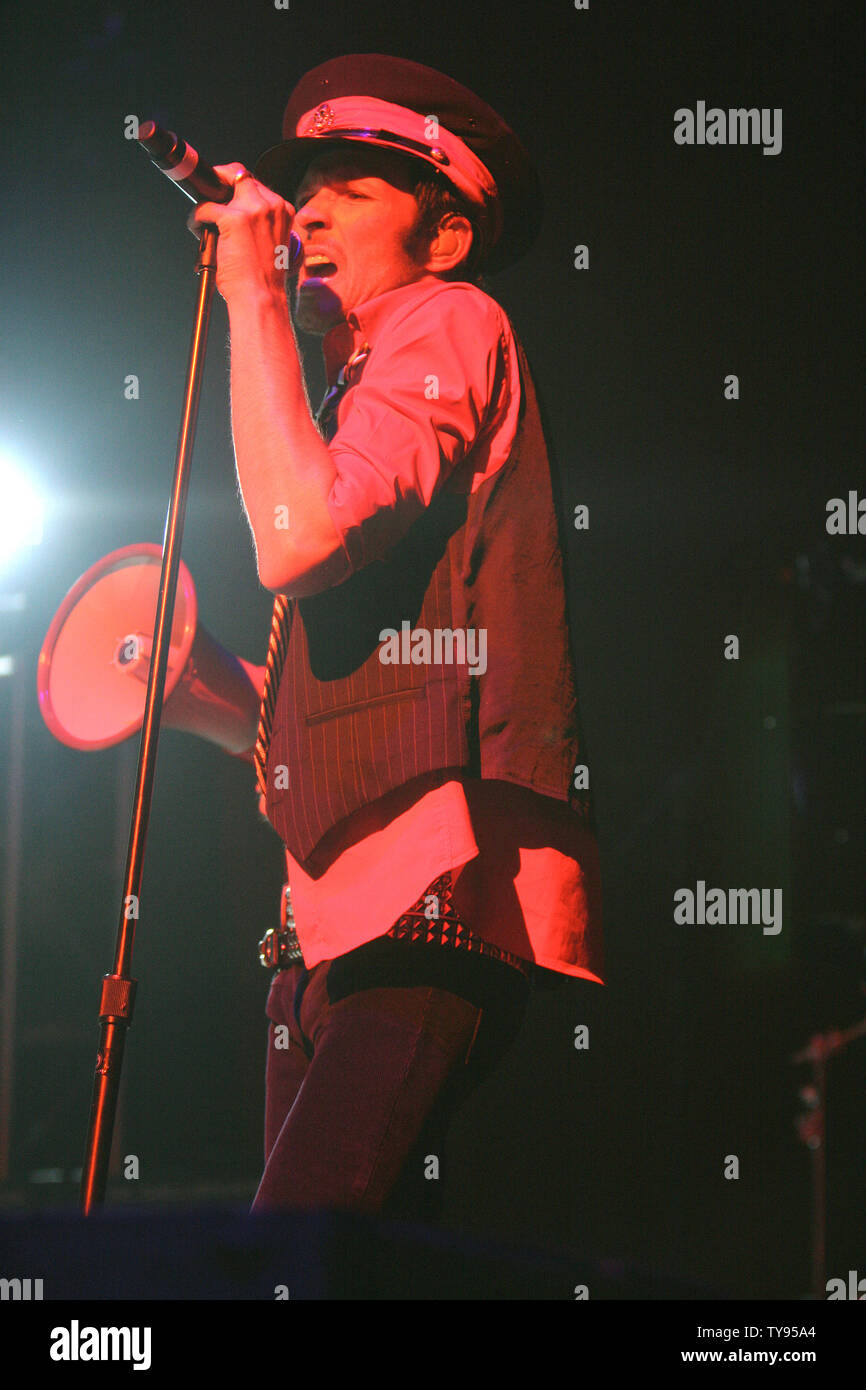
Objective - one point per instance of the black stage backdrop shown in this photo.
(707, 509)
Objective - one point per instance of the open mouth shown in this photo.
(318, 268)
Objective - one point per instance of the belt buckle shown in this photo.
(270, 949)
(280, 948)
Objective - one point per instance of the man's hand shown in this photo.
(251, 228)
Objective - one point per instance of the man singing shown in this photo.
(418, 748)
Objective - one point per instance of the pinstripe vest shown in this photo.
(348, 728)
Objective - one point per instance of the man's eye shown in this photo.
(352, 193)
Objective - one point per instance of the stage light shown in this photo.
(21, 513)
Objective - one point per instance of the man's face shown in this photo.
(357, 209)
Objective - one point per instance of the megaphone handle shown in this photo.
(118, 992)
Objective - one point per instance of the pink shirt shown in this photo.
(526, 869)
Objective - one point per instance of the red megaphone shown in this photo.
(94, 663)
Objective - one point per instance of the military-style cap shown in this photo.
(403, 106)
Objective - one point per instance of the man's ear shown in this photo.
(450, 245)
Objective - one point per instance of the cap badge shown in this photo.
(323, 118)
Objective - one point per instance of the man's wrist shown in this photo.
(259, 303)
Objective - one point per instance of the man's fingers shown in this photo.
(233, 174)
(201, 215)
(230, 172)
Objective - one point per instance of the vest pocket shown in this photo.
(411, 692)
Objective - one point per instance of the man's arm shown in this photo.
(284, 468)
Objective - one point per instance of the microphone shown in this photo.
(199, 181)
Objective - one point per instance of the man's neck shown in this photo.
(339, 341)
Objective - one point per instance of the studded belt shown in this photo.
(432, 919)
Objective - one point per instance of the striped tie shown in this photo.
(278, 643)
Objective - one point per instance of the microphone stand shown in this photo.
(812, 1130)
(118, 988)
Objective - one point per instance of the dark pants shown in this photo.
(384, 1044)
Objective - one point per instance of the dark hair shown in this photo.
(437, 200)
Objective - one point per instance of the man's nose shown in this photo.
(315, 212)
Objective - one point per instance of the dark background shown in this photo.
(706, 519)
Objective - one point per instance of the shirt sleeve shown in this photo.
(441, 382)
